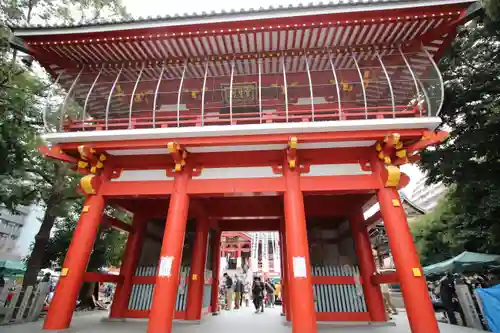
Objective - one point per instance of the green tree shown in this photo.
(25, 176)
(469, 160)
(108, 247)
(492, 8)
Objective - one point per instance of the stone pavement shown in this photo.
(240, 321)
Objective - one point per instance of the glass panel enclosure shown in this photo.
(297, 87)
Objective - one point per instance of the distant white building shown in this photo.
(427, 196)
(17, 231)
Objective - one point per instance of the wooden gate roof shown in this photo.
(338, 25)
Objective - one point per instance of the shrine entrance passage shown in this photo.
(331, 263)
(327, 267)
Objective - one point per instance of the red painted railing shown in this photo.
(194, 118)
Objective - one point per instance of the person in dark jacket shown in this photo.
(238, 292)
(258, 294)
(229, 291)
(448, 296)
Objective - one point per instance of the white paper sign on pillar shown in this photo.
(166, 266)
(299, 267)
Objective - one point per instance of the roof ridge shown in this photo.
(223, 12)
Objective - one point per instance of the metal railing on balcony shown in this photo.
(303, 86)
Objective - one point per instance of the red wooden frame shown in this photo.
(385, 278)
(257, 139)
(333, 280)
(102, 277)
(318, 184)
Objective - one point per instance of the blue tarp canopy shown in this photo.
(490, 299)
(11, 267)
(465, 261)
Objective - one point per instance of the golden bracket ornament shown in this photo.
(89, 184)
(178, 154)
(291, 153)
(90, 161)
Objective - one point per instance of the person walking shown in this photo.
(238, 292)
(246, 295)
(270, 288)
(448, 295)
(258, 295)
(229, 291)
(389, 306)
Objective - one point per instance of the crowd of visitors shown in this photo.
(237, 291)
(444, 295)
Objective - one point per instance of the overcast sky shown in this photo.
(157, 7)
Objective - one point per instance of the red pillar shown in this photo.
(129, 263)
(197, 271)
(284, 274)
(300, 281)
(411, 278)
(372, 293)
(215, 271)
(75, 264)
(165, 292)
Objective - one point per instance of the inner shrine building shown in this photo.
(290, 119)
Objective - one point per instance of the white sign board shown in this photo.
(299, 267)
(166, 266)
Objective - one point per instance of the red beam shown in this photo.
(385, 278)
(245, 158)
(406, 134)
(251, 228)
(250, 225)
(101, 277)
(230, 186)
(358, 183)
(333, 280)
(136, 188)
(144, 280)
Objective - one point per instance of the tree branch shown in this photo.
(39, 173)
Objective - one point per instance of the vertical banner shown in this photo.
(299, 267)
(166, 266)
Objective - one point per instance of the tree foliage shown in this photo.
(25, 176)
(469, 161)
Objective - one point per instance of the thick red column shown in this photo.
(165, 292)
(300, 282)
(197, 271)
(75, 264)
(130, 259)
(284, 274)
(411, 277)
(372, 293)
(215, 271)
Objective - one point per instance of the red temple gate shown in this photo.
(286, 120)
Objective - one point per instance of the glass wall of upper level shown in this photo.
(273, 88)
